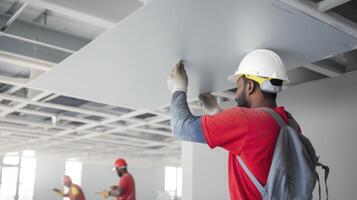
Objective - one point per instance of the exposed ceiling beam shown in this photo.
(21, 82)
(44, 44)
(324, 69)
(14, 16)
(14, 7)
(335, 20)
(89, 19)
(43, 17)
(24, 61)
(326, 5)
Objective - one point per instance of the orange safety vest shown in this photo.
(76, 191)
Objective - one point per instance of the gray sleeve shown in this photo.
(185, 126)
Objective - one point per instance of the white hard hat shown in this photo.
(261, 63)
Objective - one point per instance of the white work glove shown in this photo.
(177, 80)
(209, 104)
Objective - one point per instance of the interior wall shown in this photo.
(48, 176)
(148, 182)
(96, 178)
(327, 113)
(205, 172)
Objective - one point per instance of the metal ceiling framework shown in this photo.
(96, 131)
(109, 133)
(74, 131)
(89, 131)
(323, 11)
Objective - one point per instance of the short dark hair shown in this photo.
(267, 95)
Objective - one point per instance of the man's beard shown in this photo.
(242, 100)
(119, 173)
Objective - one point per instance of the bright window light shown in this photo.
(173, 181)
(10, 160)
(74, 170)
(179, 181)
(26, 191)
(27, 177)
(28, 166)
(170, 180)
(12, 153)
(8, 189)
(9, 175)
(28, 153)
(13, 164)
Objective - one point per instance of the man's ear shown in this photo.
(250, 87)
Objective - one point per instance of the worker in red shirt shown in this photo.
(75, 192)
(125, 190)
(246, 131)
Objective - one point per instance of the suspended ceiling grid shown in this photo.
(61, 126)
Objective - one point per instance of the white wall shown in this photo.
(48, 175)
(327, 113)
(95, 178)
(205, 172)
(148, 182)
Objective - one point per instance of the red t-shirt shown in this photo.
(127, 183)
(249, 133)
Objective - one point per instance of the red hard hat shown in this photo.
(120, 163)
(67, 180)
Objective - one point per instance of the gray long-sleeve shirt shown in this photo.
(185, 126)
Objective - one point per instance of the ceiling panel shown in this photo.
(128, 65)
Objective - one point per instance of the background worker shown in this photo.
(75, 192)
(245, 130)
(125, 190)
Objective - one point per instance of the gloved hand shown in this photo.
(57, 191)
(114, 187)
(177, 80)
(104, 194)
(209, 104)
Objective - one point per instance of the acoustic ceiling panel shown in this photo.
(128, 65)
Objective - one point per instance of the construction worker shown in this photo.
(125, 190)
(75, 192)
(245, 130)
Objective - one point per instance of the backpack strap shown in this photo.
(251, 176)
(327, 172)
(318, 180)
(275, 115)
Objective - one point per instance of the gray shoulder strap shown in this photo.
(276, 116)
(251, 176)
(257, 184)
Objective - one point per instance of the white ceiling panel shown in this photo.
(128, 65)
